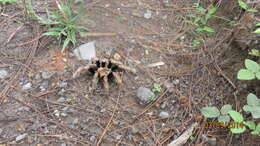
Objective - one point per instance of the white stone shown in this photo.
(85, 51)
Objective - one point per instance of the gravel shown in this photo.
(92, 138)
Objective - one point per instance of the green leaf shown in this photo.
(252, 99)
(254, 52)
(252, 10)
(210, 112)
(52, 33)
(208, 29)
(200, 9)
(225, 109)
(258, 24)
(242, 4)
(223, 118)
(238, 130)
(257, 31)
(192, 15)
(236, 116)
(254, 132)
(208, 16)
(255, 111)
(245, 74)
(257, 128)
(252, 65)
(247, 108)
(65, 44)
(212, 11)
(258, 75)
(250, 125)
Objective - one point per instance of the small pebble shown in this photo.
(148, 14)
(3, 74)
(27, 86)
(61, 100)
(47, 75)
(20, 137)
(92, 138)
(164, 115)
(118, 137)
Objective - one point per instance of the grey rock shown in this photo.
(47, 75)
(53, 126)
(63, 144)
(166, 3)
(164, 115)
(137, 13)
(1, 131)
(61, 92)
(24, 108)
(148, 14)
(103, 110)
(65, 109)
(134, 130)
(85, 51)
(176, 82)
(144, 95)
(61, 100)
(212, 141)
(44, 86)
(3, 74)
(20, 137)
(118, 137)
(64, 114)
(27, 86)
(37, 77)
(62, 84)
(92, 138)
(75, 121)
(163, 105)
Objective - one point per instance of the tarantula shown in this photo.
(104, 69)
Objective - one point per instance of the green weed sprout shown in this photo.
(62, 23)
(251, 72)
(244, 6)
(157, 88)
(7, 1)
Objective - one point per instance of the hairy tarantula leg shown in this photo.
(82, 70)
(122, 66)
(117, 77)
(105, 82)
(95, 80)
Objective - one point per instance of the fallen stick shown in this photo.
(184, 137)
(93, 34)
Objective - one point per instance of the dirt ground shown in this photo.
(41, 104)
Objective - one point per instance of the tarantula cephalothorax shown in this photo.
(104, 69)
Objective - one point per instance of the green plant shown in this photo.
(214, 112)
(257, 31)
(251, 72)
(238, 118)
(157, 87)
(253, 105)
(201, 17)
(62, 23)
(244, 6)
(7, 1)
(254, 52)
